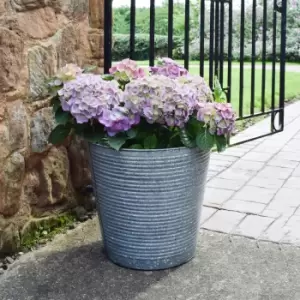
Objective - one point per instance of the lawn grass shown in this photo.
(292, 85)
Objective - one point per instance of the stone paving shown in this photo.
(254, 189)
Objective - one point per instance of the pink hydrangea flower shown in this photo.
(127, 70)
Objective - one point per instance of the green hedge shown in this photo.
(121, 46)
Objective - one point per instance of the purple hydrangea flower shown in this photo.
(90, 97)
(169, 68)
(160, 99)
(219, 117)
(200, 87)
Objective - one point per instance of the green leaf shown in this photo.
(88, 69)
(219, 94)
(116, 142)
(186, 139)
(136, 146)
(221, 142)
(132, 133)
(150, 142)
(194, 127)
(59, 134)
(93, 134)
(62, 117)
(205, 141)
(52, 91)
(108, 77)
(55, 102)
(93, 137)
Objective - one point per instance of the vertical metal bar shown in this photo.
(211, 44)
(229, 52)
(217, 41)
(253, 58)
(170, 28)
(274, 60)
(152, 33)
(107, 35)
(282, 62)
(242, 50)
(132, 29)
(202, 32)
(264, 52)
(222, 25)
(187, 34)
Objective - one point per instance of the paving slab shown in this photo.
(74, 267)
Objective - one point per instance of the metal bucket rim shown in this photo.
(149, 150)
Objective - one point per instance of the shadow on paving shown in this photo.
(225, 268)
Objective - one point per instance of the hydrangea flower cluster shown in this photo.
(219, 117)
(160, 99)
(169, 96)
(199, 85)
(127, 70)
(168, 67)
(90, 97)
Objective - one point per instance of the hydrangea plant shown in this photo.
(128, 108)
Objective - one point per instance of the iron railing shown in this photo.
(220, 54)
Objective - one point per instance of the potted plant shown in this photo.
(150, 138)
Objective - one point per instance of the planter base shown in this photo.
(152, 265)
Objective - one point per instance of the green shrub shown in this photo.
(121, 46)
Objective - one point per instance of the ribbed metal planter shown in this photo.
(149, 204)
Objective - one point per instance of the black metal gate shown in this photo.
(219, 14)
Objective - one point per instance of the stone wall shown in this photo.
(36, 38)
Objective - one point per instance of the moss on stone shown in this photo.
(39, 231)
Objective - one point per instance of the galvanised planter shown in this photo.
(149, 204)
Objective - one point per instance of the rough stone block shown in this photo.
(42, 124)
(96, 13)
(11, 59)
(65, 44)
(4, 142)
(41, 66)
(26, 5)
(47, 184)
(79, 164)
(9, 238)
(17, 125)
(39, 23)
(74, 9)
(11, 179)
(96, 41)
